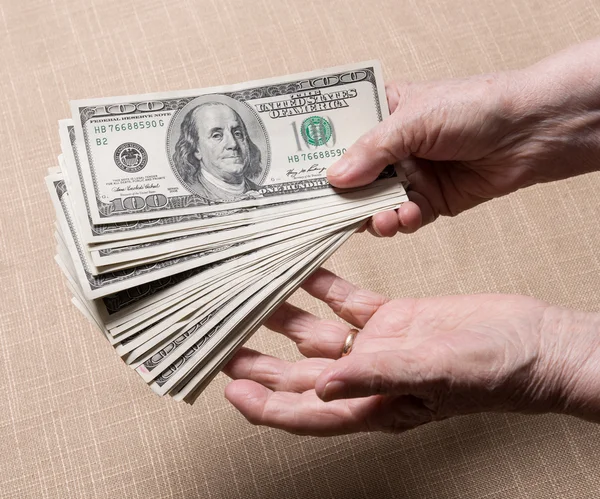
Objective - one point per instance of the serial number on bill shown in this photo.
(124, 127)
(313, 156)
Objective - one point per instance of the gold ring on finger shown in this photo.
(349, 343)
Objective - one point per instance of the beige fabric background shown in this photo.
(75, 422)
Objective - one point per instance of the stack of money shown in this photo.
(185, 218)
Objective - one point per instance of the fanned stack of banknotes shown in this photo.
(185, 218)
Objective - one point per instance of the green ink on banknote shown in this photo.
(316, 131)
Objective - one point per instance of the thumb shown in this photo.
(366, 158)
(385, 373)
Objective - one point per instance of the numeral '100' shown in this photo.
(136, 203)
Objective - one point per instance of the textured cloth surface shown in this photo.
(76, 422)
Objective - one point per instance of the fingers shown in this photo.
(306, 414)
(385, 224)
(406, 219)
(415, 213)
(410, 217)
(324, 338)
(274, 373)
(425, 189)
(393, 95)
(352, 304)
(387, 373)
(366, 158)
(300, 413)
(314, 337)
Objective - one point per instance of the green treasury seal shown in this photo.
(316, 131)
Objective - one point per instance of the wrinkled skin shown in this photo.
(464, 142)
(413, 362)
(461, 143)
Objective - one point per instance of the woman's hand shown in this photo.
(417, 361)
(463, 142)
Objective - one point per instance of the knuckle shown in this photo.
(383, 140)
(336, 296)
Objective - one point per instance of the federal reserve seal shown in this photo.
(131, 157)
(316, 131)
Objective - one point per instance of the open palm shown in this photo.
(413, 362)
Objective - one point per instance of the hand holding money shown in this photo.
(185, 218)
(421, 360)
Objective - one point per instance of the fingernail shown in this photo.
(333, 390)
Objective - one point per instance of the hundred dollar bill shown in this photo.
(354, 202)
(189, 389)
(207, 340)
(157, 228)
(96, 286)
(203, 151)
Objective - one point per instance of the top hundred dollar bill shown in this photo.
(199, 151)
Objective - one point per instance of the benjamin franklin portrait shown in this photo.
(215, 155)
